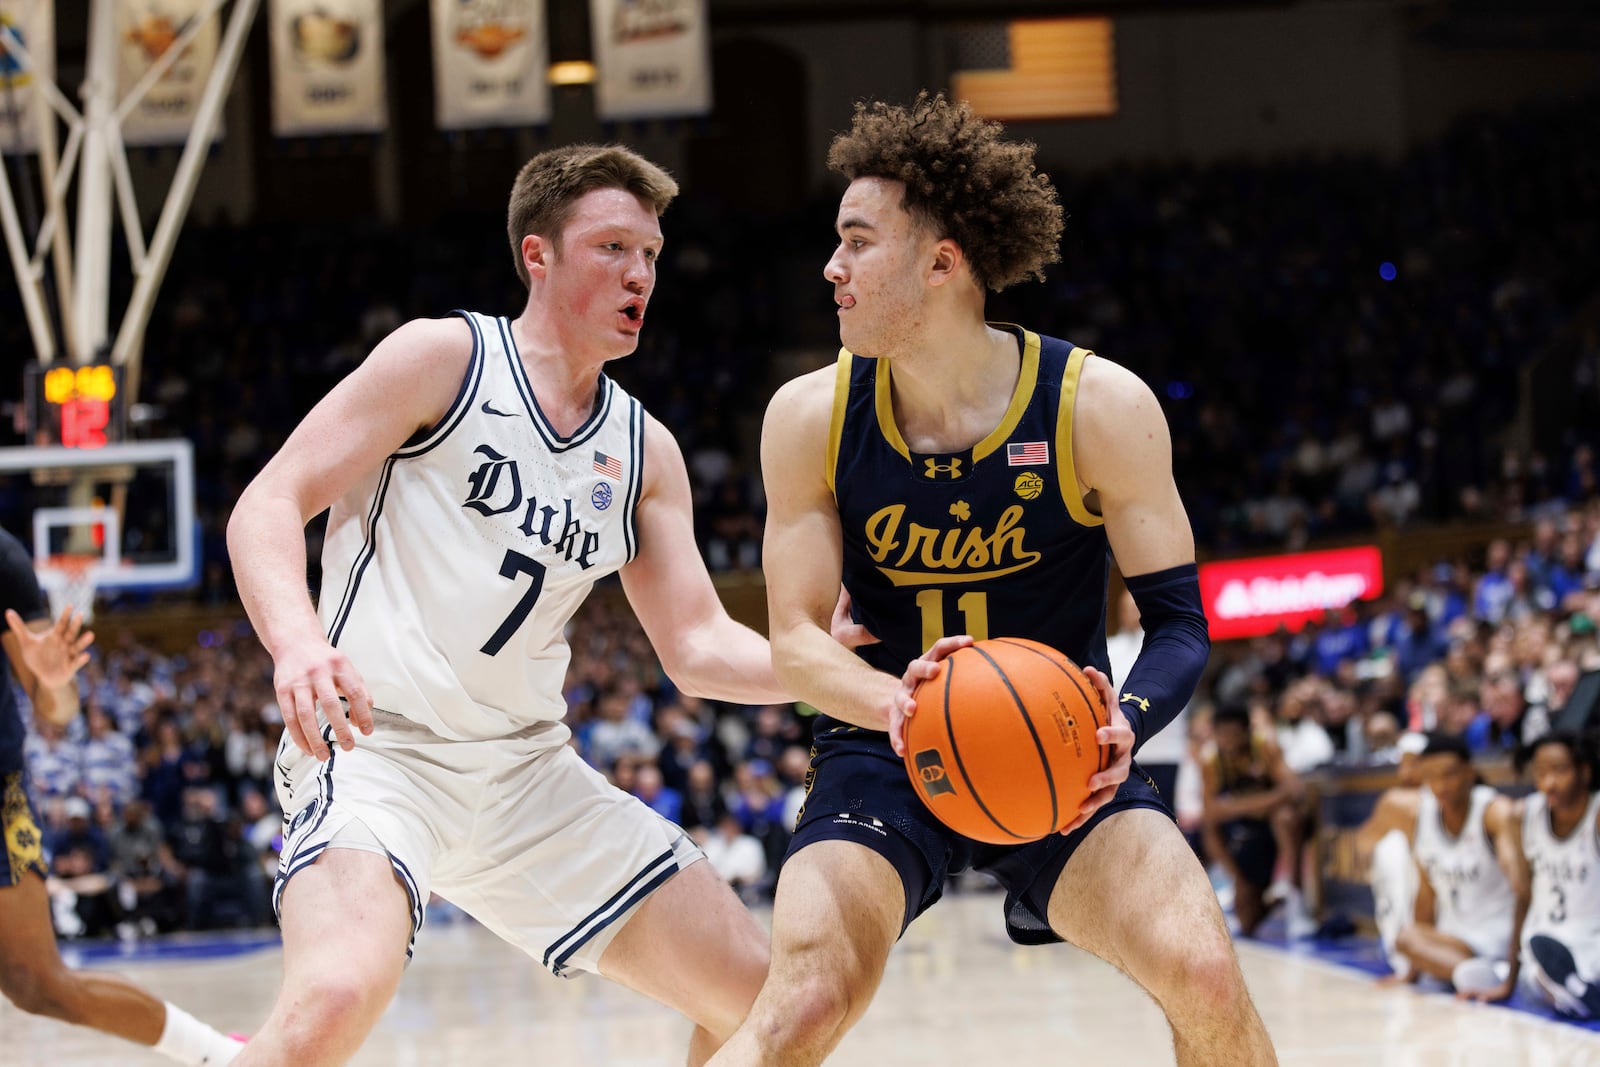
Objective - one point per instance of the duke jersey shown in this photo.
(1473, 899)
(994, 541)
(450, 573)
(1565, 903)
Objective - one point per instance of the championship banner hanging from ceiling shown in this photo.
(654, 58)
(489, 63)
(327, 67)
(146, 30)
(33, 24)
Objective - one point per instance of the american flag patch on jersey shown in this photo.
(610, 466)
(1027, 454)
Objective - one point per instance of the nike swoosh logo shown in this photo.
(487, 410)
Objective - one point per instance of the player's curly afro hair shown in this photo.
(961, 178)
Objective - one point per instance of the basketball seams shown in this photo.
(1090, 701)
(1038, 744)
(955, 750)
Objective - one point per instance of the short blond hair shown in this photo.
(550, 183)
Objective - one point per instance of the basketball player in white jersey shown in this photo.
(482, 474)
(1464, 845)
(1560, 866)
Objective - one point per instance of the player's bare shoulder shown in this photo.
(1113, 399)
(800, 411)
(443, 344)
(1119, 433)
(419, 367)
(795, 435)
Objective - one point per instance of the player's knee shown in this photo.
(811, 1015)
(41, 990)
(331, 1004)
(1201, 974)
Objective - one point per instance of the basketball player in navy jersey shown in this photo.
(483, 473)
(966, 480)
(45, 656)
(1249, 795)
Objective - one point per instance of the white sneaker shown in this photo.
(1300, 926)
(1479, 975)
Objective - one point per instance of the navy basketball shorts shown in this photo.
(858, 790)
(1253, 848)
(24, 844)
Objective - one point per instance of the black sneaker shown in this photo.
(1557, 974)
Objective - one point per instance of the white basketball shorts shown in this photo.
(518, 832)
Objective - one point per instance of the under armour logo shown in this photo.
(1129, 698)
(933, 468)
(487, 410)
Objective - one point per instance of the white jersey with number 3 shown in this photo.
(450, 573)
(1565, 901)
(1472, 897)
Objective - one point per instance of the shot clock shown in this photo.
(75, 406)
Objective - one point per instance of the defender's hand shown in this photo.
(845, 629)
(921, 669)
(314, 676)
(1118, 735)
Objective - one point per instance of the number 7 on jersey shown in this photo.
(514, 564)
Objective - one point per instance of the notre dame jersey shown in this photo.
(450, 572)
(19, 589)
(994, 541)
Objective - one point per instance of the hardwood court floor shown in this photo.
(956, 993)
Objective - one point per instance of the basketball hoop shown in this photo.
(69, 580)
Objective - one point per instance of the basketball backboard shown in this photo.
(120, 517)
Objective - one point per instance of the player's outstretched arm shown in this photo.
(406, 384)
(46, 656)
(802, 557)
(702, 648)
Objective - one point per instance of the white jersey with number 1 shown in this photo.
(1565, 900)
(1472, 897)
(450, 574)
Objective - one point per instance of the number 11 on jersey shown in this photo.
(972, 606)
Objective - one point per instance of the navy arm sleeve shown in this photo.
(1176, 644)
(19, 586)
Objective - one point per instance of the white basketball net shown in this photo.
(69, 581)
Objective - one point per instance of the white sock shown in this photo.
(188, 1040)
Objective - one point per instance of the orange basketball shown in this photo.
(1002, 744)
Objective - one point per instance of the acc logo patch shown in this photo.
(930, 771)
(602, 496)
(1028, 485)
